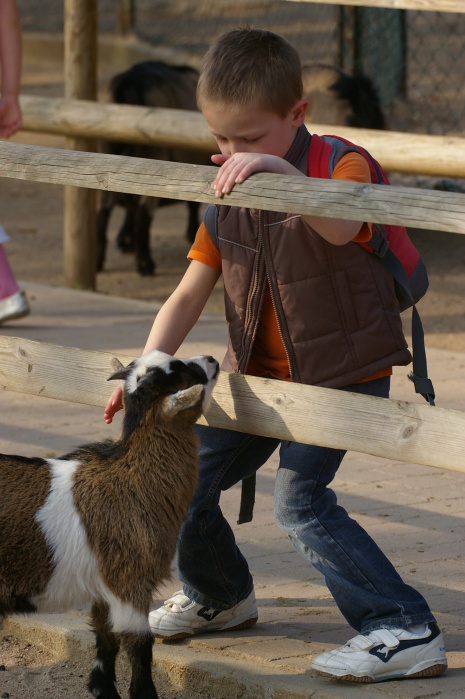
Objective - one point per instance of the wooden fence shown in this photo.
(301, 195)
(420, 154)
(392, 429)
(426, 5)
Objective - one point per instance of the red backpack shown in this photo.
(390, 244)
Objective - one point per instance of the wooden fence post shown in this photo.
(80, 44)
(126, 11)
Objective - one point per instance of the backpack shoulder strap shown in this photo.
(419, 374)
(319, 156)
(321, 159)
(210, 220)
(325, 152)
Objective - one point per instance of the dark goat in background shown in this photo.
(150, 84)
(340, 99)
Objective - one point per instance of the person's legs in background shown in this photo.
(13, 301)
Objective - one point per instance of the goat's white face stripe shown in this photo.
(146, 362)
(76, 581)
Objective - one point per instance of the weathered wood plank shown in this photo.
(426, 5)
(392, 429)
(421, 154)
(177, 128)
(336, 199)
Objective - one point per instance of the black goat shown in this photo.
(337, 98)
(150, 84)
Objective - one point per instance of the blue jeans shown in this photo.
(366, 587)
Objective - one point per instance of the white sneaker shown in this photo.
(386, 654)
(181, 617)
(14, 306)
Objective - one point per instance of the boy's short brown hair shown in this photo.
(248, 66)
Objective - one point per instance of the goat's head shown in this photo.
(167, 384)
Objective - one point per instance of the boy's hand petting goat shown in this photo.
(99, 526)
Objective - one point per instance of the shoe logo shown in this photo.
(385, 654)
(382, 650)
(208, 613)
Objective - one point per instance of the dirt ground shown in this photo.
(32, 215)
(29, 672)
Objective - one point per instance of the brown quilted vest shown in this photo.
(336, 306)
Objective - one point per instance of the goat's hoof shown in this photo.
(106, 691)
(125, 242)
(146, 269)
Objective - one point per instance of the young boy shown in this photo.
(303, 303)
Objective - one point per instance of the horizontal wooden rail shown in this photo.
(420, 154)
(176, 128)
(426, 5)
(388, 428)
(302, 195)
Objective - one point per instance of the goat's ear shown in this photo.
(119, 371)
(115, 364)
(182, 400)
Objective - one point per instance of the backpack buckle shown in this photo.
(378, 243)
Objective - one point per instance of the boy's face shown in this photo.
(253, 130)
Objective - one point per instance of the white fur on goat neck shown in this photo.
(76, 581)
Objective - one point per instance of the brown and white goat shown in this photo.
(99, 525)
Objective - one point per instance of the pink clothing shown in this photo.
(8, 284)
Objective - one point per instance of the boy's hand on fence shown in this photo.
(238, 167)
(115, 403)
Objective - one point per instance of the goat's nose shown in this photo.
(210, 359)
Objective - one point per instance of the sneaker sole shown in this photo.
(431, 671)
(15, 316)
(247, 624)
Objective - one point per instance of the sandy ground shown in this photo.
(29, 672)
(32, 215)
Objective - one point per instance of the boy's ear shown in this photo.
(299, 110)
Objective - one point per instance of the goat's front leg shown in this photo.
(106, 203)
(139, 650)
(193, 222)
(125, 238)
(143, 219)
(102, 680)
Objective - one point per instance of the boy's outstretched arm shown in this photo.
(175, 319)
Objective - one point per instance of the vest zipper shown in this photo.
(245, 346)
(294, 373)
